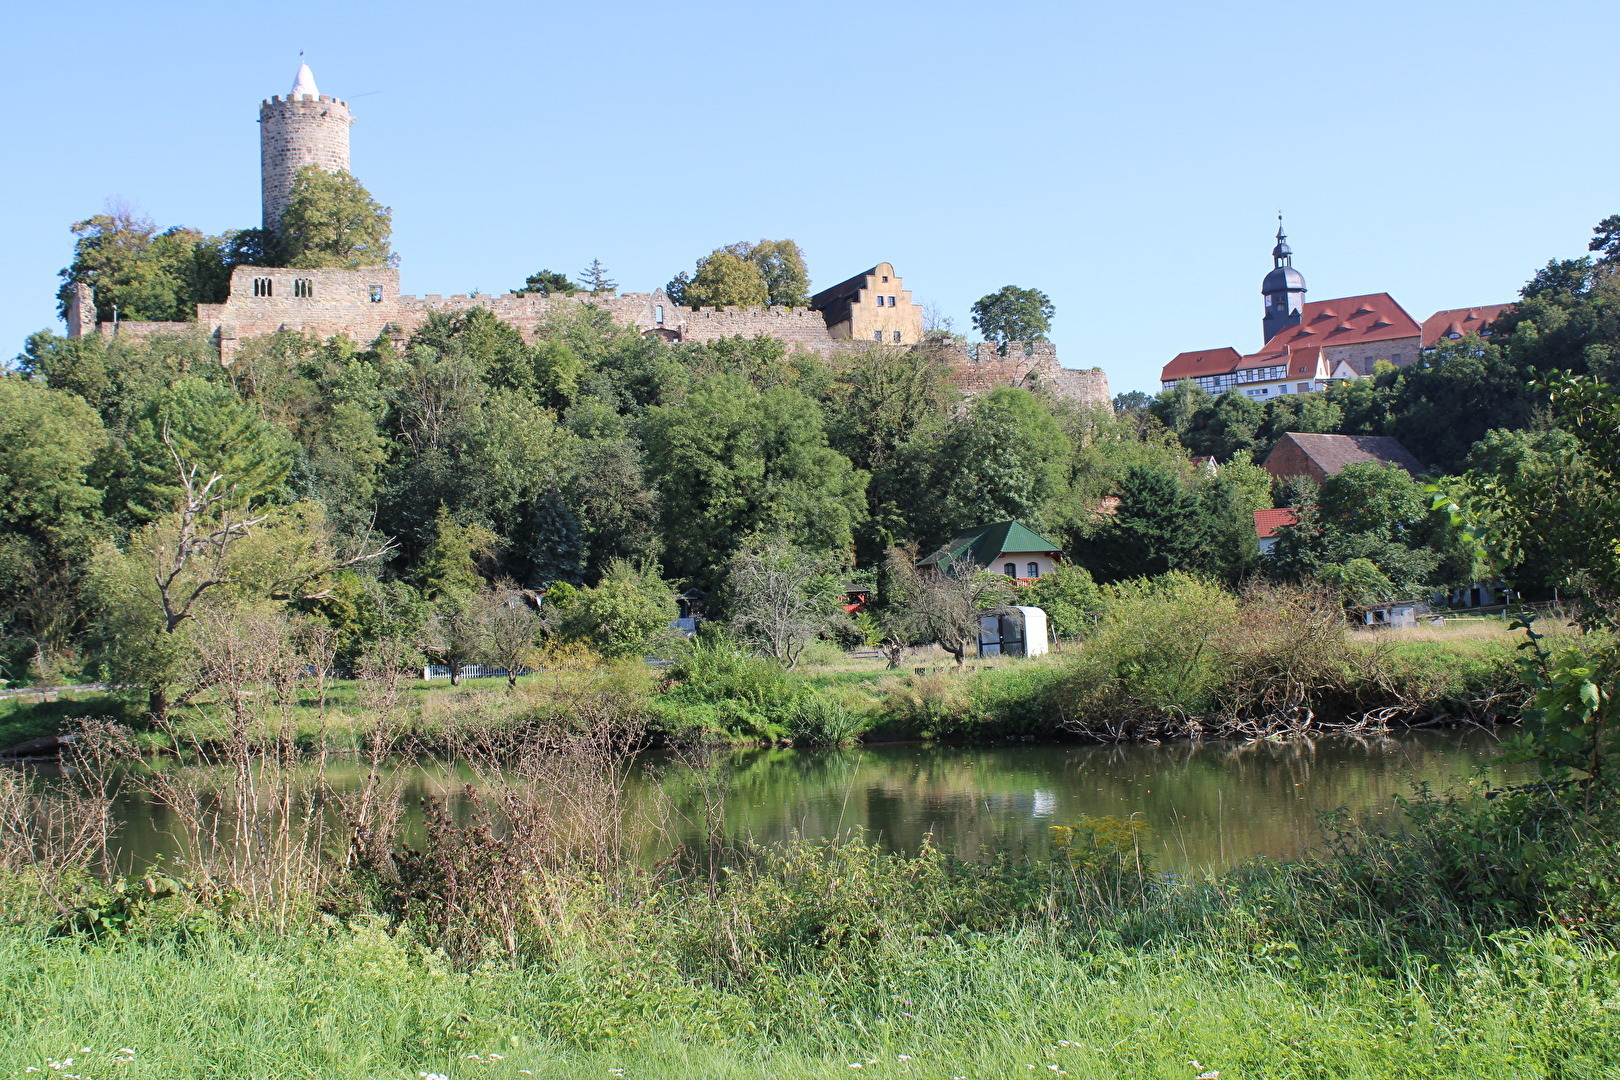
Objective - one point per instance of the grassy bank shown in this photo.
(1132, 679)
(1394, 957)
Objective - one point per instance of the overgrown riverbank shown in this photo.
(1481, 943)
(1168, 667)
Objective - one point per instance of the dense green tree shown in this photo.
(1069, 597)
(49, 515)
(118, 375)
(450, 565)
(206, 426)
(778, 277)
(724, 279)
(626, 615)
(732, 462)
(618, 512)
(1012, 314)
(547, 283)
(1006, 457)
(144, 273)
(331, 221)
(1165, 523)
(1183, 409)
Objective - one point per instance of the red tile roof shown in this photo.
(1267, 522)
(1457, 322)
(1190, 365)
(1347, 320)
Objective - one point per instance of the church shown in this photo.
(1309, 345)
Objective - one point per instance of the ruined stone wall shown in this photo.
(976, 368)
(295, 131)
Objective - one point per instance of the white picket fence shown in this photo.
(469, 671)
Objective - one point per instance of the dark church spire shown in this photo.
(1283, 289)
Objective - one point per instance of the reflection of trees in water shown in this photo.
(1209, 803)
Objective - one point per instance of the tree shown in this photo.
(1013, 314)
(781, 598)
(724, 279)
(456, 632)
(50, 514)
(595, 279)
(1069, 597)
(1005, 458)
(624, 616)
(732, 461)
(511, 628)
(449, 567)
(939, 604)
(1606, 239)
(130, 265)
(1164, 523)
(215, 548)
(209, 428)
(547, 283)
(331, 221)
(771, 272)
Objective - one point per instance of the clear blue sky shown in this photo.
(1128, 159)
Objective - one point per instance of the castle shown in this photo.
(1310, 345)
(306, 127)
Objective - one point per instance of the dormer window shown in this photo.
(262, 286)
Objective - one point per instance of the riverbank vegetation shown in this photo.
(525, 931)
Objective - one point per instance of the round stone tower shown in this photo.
(304, 128)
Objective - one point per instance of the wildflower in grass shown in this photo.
(904, 1057)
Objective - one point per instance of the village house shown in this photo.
(1267, 522)
(1321, 456)
(1007, 547)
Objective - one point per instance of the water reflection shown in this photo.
(1210, 804)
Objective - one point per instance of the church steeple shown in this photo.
(1283, 289)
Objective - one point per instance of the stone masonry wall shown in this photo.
(976, 368)
(295, 132)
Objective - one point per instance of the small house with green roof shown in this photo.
(1009, 547)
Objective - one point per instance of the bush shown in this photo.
(721, 689)
(821, 719)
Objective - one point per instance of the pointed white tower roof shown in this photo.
(305, 83)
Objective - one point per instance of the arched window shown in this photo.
(660, 312)
(303, 287)
(262, 286)
(1034, 570)
(1011, 569)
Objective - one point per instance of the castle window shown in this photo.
(261, 286)
(897, 337)
(877, 335)
(1034, 570)
(376, 293)
(891, 301)
(885, 281)
(1011, 569)
(303, 287)
(660, 313)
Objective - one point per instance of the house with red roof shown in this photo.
(1267, 522)
(1311, 345)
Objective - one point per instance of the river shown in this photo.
(1208, 804)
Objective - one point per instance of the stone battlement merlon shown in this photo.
(313, 99)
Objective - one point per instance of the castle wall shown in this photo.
(364, 304)
(976, 368)
(295, 131)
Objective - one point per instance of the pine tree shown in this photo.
(595, 278)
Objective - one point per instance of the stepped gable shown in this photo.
(1454, 323)
(1321, 456)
